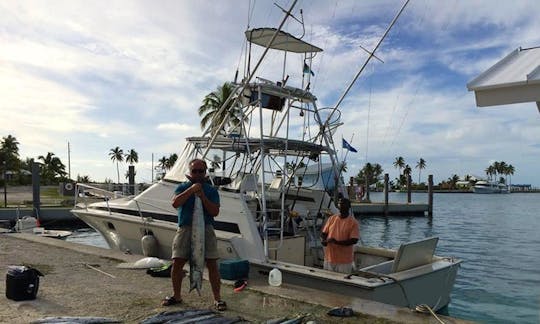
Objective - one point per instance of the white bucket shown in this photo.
(274, 278)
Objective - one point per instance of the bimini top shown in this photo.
(275, 145)
(283, 41)
(514, 79)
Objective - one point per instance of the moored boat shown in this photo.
(267, 216)
(490, 187)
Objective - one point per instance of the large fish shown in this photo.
(196, 261)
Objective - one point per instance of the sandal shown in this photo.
(169, 301)
(220, 305)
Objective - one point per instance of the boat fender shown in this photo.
(149, 245)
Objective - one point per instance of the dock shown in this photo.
(72, 287)
(377, 209)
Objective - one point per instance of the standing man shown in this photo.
(184, 201)
(339, 235)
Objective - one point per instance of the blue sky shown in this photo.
(131, 74)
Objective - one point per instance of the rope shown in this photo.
(423, 308)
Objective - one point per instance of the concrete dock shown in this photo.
(73, 287)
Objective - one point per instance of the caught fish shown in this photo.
(75, 319)
(196, 261)
(177, 316)
(341, 312)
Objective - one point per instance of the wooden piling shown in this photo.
(430, 195)
(386, 189)
(408, 188)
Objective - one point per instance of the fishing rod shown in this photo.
(371, 55)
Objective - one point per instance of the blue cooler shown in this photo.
(234, 269)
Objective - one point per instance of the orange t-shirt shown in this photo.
(340, 229)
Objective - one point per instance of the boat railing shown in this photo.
(87, 192)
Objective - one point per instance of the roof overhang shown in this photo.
(514, 79)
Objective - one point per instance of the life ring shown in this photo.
(68, 186)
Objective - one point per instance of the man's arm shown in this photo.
(181, 198)
(211, 207)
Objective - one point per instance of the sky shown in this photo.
(101, 74)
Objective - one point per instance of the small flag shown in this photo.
(348, 146)
(308, 70)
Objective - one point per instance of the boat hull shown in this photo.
(428, 285)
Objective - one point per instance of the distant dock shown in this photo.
(376, 209)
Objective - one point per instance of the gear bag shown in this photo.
(22, 282)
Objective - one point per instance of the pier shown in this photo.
(368, 208)
(72, 287)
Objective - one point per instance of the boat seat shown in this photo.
(414, 254)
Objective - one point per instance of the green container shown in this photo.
(234, 269)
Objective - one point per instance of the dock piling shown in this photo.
(430, 195)
(386, 189)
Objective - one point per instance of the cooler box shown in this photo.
(234, 269)
(22, 283)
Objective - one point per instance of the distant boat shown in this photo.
(490, 187)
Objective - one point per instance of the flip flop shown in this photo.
(169, 301)
(220, 305)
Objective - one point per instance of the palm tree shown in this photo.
(117, 155)
(399, 163)
(9, 153)
(212, 115)
(369, 175)
(421, 164)
(132, 157)
(490, 171)
(510, 171)
(171, 160)
(52, 166)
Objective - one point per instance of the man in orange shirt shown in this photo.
(339, 235)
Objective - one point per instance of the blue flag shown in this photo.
(348, 146)
(308, 70)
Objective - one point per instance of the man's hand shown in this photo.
(196, 189)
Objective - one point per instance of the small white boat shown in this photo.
(490, 187)
(28, 224)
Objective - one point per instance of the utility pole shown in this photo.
(5, 183)
(69, 162)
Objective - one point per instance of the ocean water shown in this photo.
(496, 236)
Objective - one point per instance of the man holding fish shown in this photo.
(197, 203)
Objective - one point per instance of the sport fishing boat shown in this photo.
(269, 215)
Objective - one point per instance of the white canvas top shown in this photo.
(283, 41)
(514, 79)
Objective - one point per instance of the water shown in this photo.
(496, 236)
